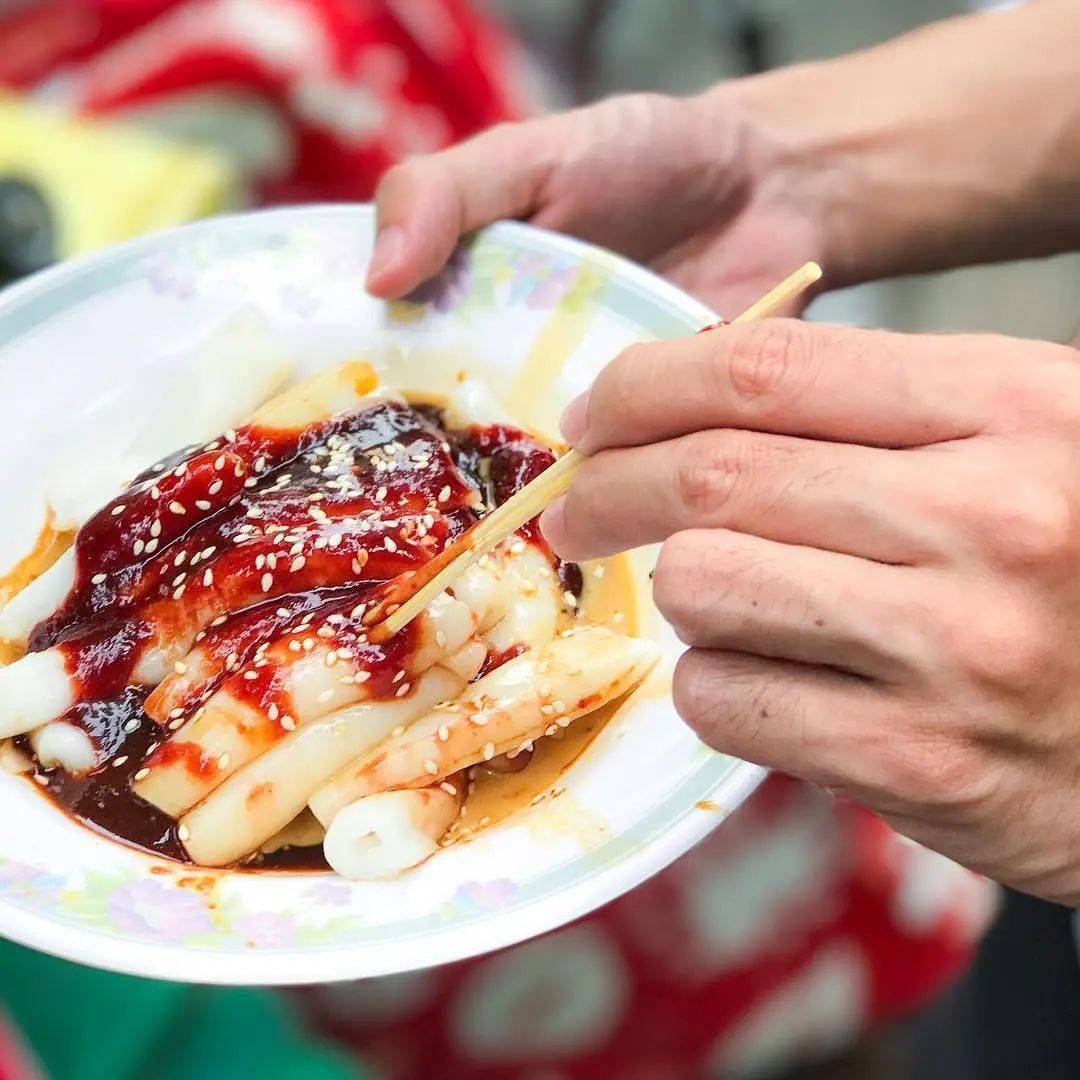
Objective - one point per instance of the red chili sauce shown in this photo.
(232, 545)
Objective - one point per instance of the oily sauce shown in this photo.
(189, 533)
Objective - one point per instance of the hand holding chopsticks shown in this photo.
(411, 595)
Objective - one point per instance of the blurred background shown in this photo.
(803, 939)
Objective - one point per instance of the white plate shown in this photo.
(88, 346)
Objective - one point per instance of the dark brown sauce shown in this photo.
(260, 483)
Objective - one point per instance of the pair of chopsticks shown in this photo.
(413, 593)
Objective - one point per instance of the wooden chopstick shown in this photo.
(415, 592)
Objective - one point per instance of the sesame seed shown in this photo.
(444, 733)
(121, 760)
(267, 582)
(177, 507)
(175, 724)
(208, 577)
(331, 658)
(214, 488)
(444, 495)
(297, 563)
(251, 675)
(326, 695)
(183, 833)
(489, 751)
(137, 547)
(448, 787)
(177, 593)
(180, 667)
(179, 580)
(361, 676)
(380, 494)
(431, 767)
(132, 725)
(260, 464)
(294, 646)
(403, 689)
(219, 464)
(202, 504)
(389, 544)
(287, 722)
(250, 482)
(151, 546)
(155, 492)
(117, 510)
(176, 713)
(219, 620)
(272, 711)
(97, 579)
(142, 774)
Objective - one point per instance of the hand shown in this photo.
(871, 543)
(691, 187)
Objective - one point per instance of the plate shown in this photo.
(91, 346)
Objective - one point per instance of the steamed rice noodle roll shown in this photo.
(295, 681)
(263, 797)
(529, 696)
(385, 834)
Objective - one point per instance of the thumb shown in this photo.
(424, 205)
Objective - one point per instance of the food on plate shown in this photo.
(198, 675)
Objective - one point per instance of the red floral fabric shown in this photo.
(785, 935)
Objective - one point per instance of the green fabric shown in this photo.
(91, 1025)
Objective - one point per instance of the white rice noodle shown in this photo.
(393, 831)
(530, 696)
(263, 797)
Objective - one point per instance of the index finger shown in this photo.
(793, 378)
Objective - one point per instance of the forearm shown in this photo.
(957, 144)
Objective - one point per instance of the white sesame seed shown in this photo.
(117, 510)
(132, 725)
(267, 582)
(389, 544)
(121, 760)
(142, 774)
(137, 547)
(183, 833)
(180, 667)
(297, 563)
(151, 546)
(444, 733)
(177, 507)
(97, 579)
(380, 494)
(489, 751)
(361, 676)
(202, 504)
(214, 488)
(403, 689)
(250, 482)
(287, 722)
(326, 695)
(219, 464)
(444, 495)
(431, 767)
(177, 593)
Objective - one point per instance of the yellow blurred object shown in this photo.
(103, 182)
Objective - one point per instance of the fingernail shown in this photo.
(552, 522)
(387, 251)
(572, 423)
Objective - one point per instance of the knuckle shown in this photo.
(936, 772)
(1004, 648)
(709, 474)
(764, 359)
(1029, 527)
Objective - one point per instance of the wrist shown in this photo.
(956, 144)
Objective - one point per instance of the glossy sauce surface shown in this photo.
(229, 546)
